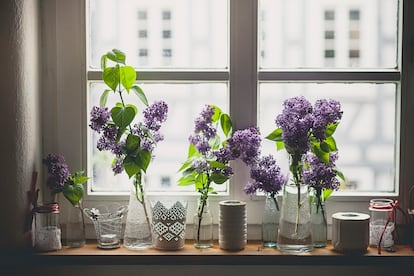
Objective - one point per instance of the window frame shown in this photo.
(65, 85)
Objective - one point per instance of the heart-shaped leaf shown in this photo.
(73, 193)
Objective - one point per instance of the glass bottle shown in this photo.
(203, 225)
(380, 212)
(318, 218)
(138, 234)
(295, 232)
(47, 227)
(270, 222)
(75, 226)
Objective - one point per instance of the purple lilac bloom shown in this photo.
(325, 112)
(118, 166)
(223, 155)
(321, 175)
(99, 117)
(296, 121)
(203, 123)
(107, 140)
(266, 176)
(155, 115)
(245, 144)
(58, 170)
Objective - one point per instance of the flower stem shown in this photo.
(139, 194)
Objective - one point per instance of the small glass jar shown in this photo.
(47, 227)
(380, 211)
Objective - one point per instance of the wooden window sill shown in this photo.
(253, 254)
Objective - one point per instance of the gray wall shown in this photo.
(20, 138)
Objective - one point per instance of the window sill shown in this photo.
(253, 254)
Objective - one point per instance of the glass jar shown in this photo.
(380, 212)
(47, 227)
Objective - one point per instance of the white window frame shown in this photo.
(65, 96)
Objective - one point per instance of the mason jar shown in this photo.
(47, 227)
(380, 212)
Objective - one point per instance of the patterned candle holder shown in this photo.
(168, 224)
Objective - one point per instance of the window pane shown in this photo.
(194, 33)
(185, 102)
(328, 33)
(365, 135)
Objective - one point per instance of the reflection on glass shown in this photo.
(160, 34)
(365, 136)
(185, 101)
(328, 33)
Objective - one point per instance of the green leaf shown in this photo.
(130, 166)
(340, 174)
(132, 143)
(217, 113)
(280, 145)
(322, 155)
(110, 76)
(275, 136)
(127, 76)
(118, 56)
(327, 193)
(143, 159)
(186, 180)
(201, 181)
(226, 124)
(73, 193)
(192, 151)
(122, 117)
(140, 93)
(330, 129)
(330, 141)
(216, 164)
(104, 98)
(218, 178)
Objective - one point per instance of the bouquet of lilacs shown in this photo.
(265, 174)
(306, 133)
(60, 180)
(208, 157)
(132, 143)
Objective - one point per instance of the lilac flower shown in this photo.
(296, 121)
(320, 175)
(108, 139)
(118, 166)
(325, 112)
(266, 176)
(245, 144)
(203, 123)
(99, 117)
(155, 115)
(58, 170)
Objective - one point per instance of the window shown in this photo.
(290, 60)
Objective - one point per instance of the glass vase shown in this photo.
(75, 226)
(203, 225)
(270, 222)
(295, 232)
(138, 234)
(319, 222)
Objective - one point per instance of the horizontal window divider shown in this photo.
(207, 75)
(380, 76)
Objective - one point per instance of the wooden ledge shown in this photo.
(253, 254)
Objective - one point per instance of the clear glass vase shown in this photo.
(270, 222)
(203, 225)
(319, 222)
(75, 226)
(138, 234)
(295, 231)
